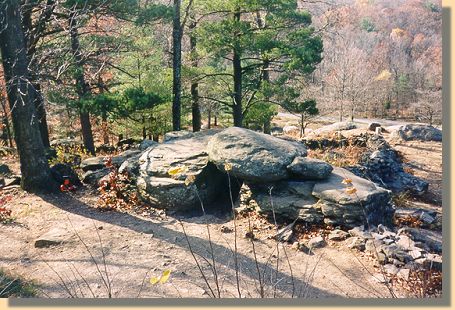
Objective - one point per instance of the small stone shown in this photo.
(355, 243)
(389, 250)
(396, 262)
(225, 229)
(338, 235)
(404, 274)
(388, 241)
(373, 246)
(402, 256)
(415, 254)
(426, 218)
(316, 242)
(382, 258)
(434, 261)
(55, 236)
(359, 232)
(285, 234)
(405, 243)
(391, 269)
(295, 246)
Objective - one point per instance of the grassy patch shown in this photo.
(12, 286)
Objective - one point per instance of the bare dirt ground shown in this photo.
(137, 247)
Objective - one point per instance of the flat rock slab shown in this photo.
(367, 203)
(332, 189)
(55, 236)
(253, 156)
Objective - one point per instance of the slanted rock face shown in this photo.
(288, 199)
(158, 187)
(254, 156)
(417, 132)
(340, 207)
(310, 168)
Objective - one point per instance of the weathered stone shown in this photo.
(405, 243)
(96, 163)
(420, 132)
(285, 234)
(373, 126)
(355, 243)
(93, 177)
(431, 239)
(433, 261)
(391, 269)
(310, 168)
(415, 254)
(389, 250)
(55, 236)
(145, 144)
(253, 156)
(404, 274)
(373, 246)
(350, 209)
(316, 242)
(340, 126)
(175, 135)
(288, 200)
(161, 187)
(359, 232)
(338, 235)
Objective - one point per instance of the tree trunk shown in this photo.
(195, 108)
(209, 119)
(177, 67)
(36, 176)
(82, 88)
(31, 41)
(40, 112)
(237, 111)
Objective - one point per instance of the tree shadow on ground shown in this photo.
(200, 246)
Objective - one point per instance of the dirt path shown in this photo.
(137, 248)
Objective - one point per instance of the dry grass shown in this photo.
(340, 157)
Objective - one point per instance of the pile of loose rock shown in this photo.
(381, 164)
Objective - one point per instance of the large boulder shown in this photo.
(310, 168)
(339, 126)
(165, 167)
(420, 132)
(288, 200)
(368, 204)
(253, 156)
